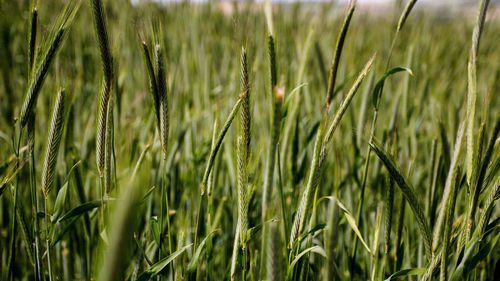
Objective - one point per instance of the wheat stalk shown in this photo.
(273, 253)
(275, 127)
(242, 192)
(108, 147)
(450, 209)
(388, 208)
(277, 94)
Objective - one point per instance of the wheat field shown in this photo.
(249, 140)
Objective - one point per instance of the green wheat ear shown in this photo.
(245, 115)
(106, 86)
(153, 88)
(102, 127)
(338, 51)
(163, 99)
(405, 14)
(48, 52)
(54, 139)
(102, 39)
(408, 192)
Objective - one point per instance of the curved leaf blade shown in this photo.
(406, 272)
(377, 91)
(153, 270)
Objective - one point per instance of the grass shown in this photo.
(234, 141)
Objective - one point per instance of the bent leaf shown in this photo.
(313, 249)
(159, 266)
(377, 91)
(406, 272)
(81, 209)
(350, 220)
(193, 264)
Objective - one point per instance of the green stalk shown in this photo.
(432, 172)
(450, 209)
(12, 240)
(234, 257)
(389, 208)
(271, 159)
(376, 241)
(282, 199)
(277, 102)
(363, 188)
(399, 233)
(164, 198)
(47, 239)
(34, 198)
(31, 143)
(196, 229)
(276, 95)
(242, 192)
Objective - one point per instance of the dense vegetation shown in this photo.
(248, 142)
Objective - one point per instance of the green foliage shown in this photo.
(114, 180)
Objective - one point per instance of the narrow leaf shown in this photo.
(159, 266)
(351, 220)
(81, 209)
(406, 272)
(377, 91)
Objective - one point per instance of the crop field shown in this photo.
(249, 141)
